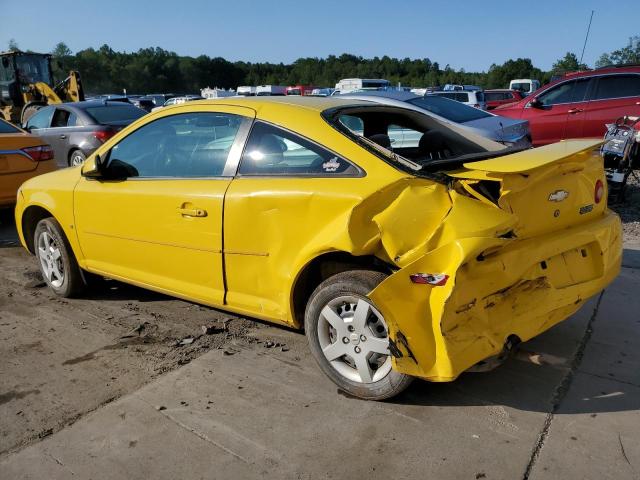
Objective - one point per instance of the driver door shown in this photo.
(561, 112)
(155, 218)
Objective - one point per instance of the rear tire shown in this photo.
(56, 260)
(348, 336)
(76, 158)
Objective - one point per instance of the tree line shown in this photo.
(151, 70)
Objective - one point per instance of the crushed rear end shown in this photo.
(527, 240)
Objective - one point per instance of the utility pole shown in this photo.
(586, 36)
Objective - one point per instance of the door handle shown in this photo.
(574, 110)
(192, 212)
(62, 137)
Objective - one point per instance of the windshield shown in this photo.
(33, 68)
(523, 87)
(7, 127)
(449, 109)
(112, 114)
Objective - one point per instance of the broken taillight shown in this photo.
(435, 279)
(38, 154)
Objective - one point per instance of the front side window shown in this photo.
(617, 86)
(568, 92)
(273, 151)
(188, 145)
(41, 119)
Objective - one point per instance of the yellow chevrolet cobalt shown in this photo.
(403, 245)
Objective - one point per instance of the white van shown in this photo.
(270, 90)
(526, 85)
(473, 98)
(352, 84)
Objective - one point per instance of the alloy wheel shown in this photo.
(50, 258)
(354, 339)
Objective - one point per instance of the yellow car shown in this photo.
(403, 245)
(22, 156)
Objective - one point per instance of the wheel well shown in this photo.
(321, 268)
(30, 218)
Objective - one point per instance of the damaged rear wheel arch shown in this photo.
(323, 267)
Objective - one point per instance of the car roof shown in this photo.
(500, 90)
(318, 104)
(92, 103)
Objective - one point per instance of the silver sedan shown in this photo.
(508, 131)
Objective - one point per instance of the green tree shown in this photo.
(568, 63)
(13, 45)
(627, 54)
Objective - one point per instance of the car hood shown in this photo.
(500, 128)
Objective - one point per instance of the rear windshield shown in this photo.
(8, 128)
(110, 114)
(451, 110)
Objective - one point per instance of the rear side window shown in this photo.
(617, 86)
(462, 97)
(60, 118)
(273, 151)
(189, 145)
(109, 114)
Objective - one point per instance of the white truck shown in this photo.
(246, 91)
(216, 92)
(526, 85)
(354, 84)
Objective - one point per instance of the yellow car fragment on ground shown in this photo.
(415, 260)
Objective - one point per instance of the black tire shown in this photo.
(76, 158)
(357, 284)
(72, 283)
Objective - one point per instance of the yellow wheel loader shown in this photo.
(26, 85)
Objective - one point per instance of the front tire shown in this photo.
(349, 338)
(57, 262)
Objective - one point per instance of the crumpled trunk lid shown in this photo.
(547, 189)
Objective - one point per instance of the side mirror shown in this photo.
(92, 167)
(535, 103)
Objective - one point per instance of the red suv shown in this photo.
(501, 96)
(579, 104)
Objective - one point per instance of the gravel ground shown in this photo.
(629, 210)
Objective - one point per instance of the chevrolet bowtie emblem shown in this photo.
(558, 196)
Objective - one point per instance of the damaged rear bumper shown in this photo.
(496, 288)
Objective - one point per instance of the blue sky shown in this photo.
(469, 35)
